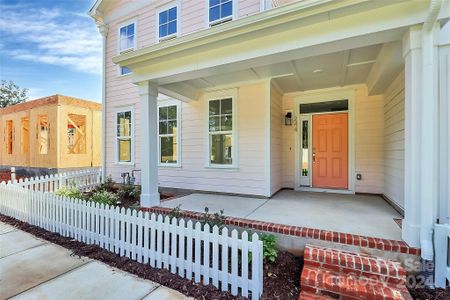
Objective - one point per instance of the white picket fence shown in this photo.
(230, 262)
(82, 180)
(442, 265)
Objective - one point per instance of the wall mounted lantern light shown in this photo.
(288, 119)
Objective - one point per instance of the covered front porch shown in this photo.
(269, 65)
(364, 215)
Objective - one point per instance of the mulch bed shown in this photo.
(281, 280)
(429, 294)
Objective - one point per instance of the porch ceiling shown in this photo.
(352, 66)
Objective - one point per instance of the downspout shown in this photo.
(429, 108)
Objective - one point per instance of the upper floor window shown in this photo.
(220, 10)
(127, 37)
(168, 23)
(124, 71)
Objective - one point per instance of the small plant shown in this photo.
(129, 191)
(107, 185)
(70, 192)
(216, 219)
(175, 212)
(270, 249)
(104, 197)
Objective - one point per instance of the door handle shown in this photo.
(314, 156)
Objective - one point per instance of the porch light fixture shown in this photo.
(288, 119)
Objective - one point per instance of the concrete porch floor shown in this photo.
(356, 214)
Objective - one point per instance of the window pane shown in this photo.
(168, 150)
(226, 106)
(123, 32)
(172, 14)
(162, 30)
(124, 71)
(214, 124)
(172, 127)
(214, 107)
(226, 122)
(130, 29)
(123, 44)
(163, 113)
(130, 42)
(125, 150)
(227, 9)
(163, 17)
(172, 112)
(214, 13)
(221, 149)
(172, 28)
(163, 127)
(213, 2)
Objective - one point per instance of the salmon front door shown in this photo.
(330, 151)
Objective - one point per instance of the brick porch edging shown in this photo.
(318, 234)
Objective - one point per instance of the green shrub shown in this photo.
(107, 185)
(175, 212)
(270, 249)
(104, 197)
(216, 219)
(70, 192)
(129, 191)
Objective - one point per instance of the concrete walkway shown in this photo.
(367, 215)
(31, 268)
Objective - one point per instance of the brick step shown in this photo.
(326, 282)
(311, 296)
(356, 264)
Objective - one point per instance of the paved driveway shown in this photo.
(31, 268)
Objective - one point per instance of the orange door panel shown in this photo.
(330, 151)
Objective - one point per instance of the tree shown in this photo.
(11, 94)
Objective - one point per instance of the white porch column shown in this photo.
(413, 66)
(149, 174)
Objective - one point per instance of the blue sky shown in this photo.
(51, 47)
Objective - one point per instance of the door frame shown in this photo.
(322, 96)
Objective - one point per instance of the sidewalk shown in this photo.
(31, 268)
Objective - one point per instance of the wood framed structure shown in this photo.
(55, 132)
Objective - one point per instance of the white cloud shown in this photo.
(51, 36)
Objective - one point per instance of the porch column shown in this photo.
(413, 66)
(149, 152)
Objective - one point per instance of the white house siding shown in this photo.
(369, 142)
(276, 114)
(248, 177)
(394, 140)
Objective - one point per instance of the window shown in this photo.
(168, 23)
(220, 10)
(124, 137)
(9, 136)
(221, 131)
(76, 134)
(124, 71)
(43, 134)
(168, 134)
(25, 136)
(127, 37)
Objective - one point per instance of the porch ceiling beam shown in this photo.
(181, 91)
(296, 75)
(388, 65)
(344, 66)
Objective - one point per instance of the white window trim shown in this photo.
(116, 144)
(167, 103)
(161, 9)
(120, 73)
(218, 95)
(234, 14)
(126, 23)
